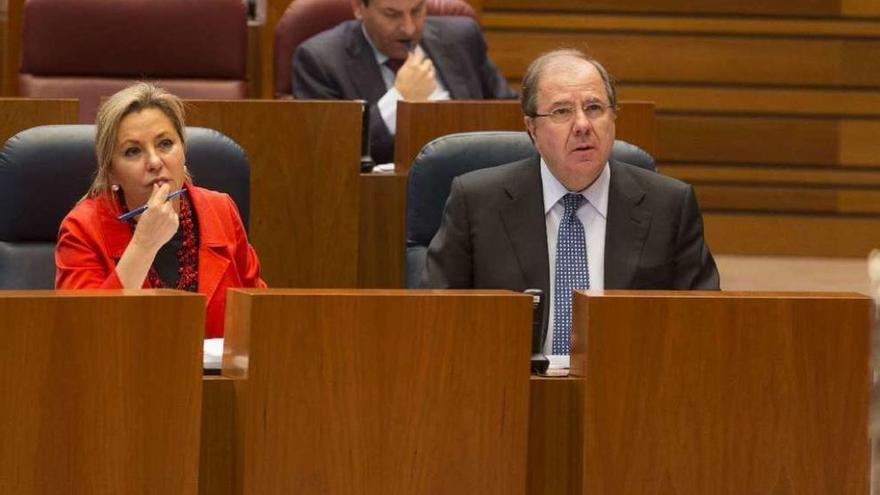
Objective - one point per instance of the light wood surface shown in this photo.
(264, 85)
(101, 392)
(381, 250)
(788, 199)
(305, 199)
(791, 8)
(703, 59)
(217, 452)
(774, 175)
(635, 123)
(793, 102)
(610, 21)
(798, 235)
(555, 432)
(344, 396)
(19, 114)
(784, 140)
(794, 273)
(718, 393)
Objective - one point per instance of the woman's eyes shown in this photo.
(133, 151)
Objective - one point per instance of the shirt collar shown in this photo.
(596, 193)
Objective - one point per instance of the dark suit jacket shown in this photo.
(493, 233)
(339, 64)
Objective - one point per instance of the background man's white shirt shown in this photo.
(388, 103)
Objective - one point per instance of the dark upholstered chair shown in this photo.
(306, 18)
(45, 170)
(443, 159)
(87, 49)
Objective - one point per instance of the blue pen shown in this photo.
(140, 209)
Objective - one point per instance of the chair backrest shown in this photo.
(88, 49)
(306, 18)
(447, 157)
(45, 170)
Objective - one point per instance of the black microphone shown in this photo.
(367, 162)
(540, 363)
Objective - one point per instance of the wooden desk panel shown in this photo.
(554, 452)
(305, 199)
(344, 396)
(420, 123)
(719, 393)
(18, 114)
(555, 432)
(382, 250)
(217, 453)
(100, 392)
(665, 7)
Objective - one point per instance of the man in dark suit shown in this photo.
(571, 217)
(394, 52)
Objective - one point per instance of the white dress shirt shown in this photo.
(388, 103)
(593, 216)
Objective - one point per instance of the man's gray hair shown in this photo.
(529, 90)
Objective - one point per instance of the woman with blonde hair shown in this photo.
(187, 238)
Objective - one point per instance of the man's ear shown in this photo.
(356, 6)
(530, 127)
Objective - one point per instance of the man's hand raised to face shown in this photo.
(415, 79)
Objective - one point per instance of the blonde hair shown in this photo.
(133, 99)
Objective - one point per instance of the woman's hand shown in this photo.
(157, 225)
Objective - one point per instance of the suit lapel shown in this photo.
(523, 220)
(117, 234)
(444, 60)
(626, 228)
(363, 71)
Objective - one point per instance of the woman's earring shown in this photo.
(115, 187)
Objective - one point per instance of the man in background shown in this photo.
(392, 52)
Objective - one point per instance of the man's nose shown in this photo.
(580, 123)
(408, 25)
